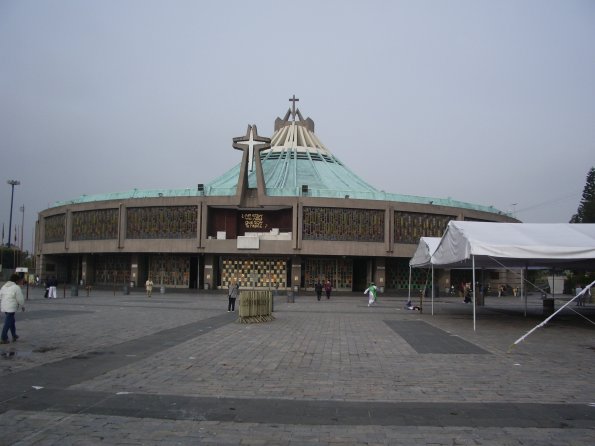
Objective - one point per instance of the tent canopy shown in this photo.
(423, 254)
(516, 244)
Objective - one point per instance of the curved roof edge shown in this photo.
(276, 192)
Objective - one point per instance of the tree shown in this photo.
(586, 209)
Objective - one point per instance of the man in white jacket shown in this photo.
(11, 300)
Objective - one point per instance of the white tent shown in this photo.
(516, 244)
(422, 258)
(509, 245)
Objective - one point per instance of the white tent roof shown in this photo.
(423, 254)
(516, 244)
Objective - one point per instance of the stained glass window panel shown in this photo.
(343, 224)
(161, 222)
(100, 224)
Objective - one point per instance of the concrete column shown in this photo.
(122, 225)
(296, 272)
(39, 266)
(380, 273)
(201, 233)
(134, 270)
(68, 228)
(296, 225)
(84, 269)
(389, 222)
(209, 271)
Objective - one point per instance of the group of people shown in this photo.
(234, 290)
(51, 288)
(371, 291)
(583, 295)
(319, 287)
(51, 285)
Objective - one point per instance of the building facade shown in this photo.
(288, 214)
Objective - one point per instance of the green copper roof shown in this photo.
(296, 158)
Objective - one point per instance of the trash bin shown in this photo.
(290, 297)
(126, 289)
(162, 290)
(74, 290)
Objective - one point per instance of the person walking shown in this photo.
(372, 292)
(12, 299)
(318, 289)
(328, 288)
(234, 289)
(53, 288)
(149, 287)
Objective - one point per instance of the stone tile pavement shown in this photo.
(175, 369)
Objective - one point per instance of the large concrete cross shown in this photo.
(294, 100)
(251, 142)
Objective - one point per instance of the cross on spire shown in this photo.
(294, 100)
(251, 143)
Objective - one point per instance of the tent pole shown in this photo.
(522, 338)
(409, 293)
(482, 287)
(432, 290)
(524, 273)
(474, 290)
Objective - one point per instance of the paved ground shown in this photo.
(176, 369)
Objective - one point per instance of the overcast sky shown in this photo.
(488, 102)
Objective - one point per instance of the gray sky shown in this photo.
(488, 102)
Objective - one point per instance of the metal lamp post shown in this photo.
(22, 209)
(12, 183)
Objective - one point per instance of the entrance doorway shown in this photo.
(360, 271)
(193, 282)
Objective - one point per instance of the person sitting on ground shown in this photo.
(410, 306)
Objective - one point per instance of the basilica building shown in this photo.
(288, 214)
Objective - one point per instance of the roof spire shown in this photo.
(294, 100)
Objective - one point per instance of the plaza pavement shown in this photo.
(176, 369)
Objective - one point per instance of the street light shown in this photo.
(12, 183)
(22, 209)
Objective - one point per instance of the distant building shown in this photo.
(289, 213)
